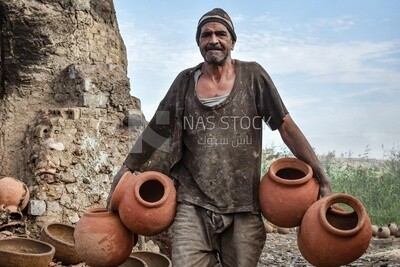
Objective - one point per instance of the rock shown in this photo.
(36, 207)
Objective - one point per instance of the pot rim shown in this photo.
(51, 250)
(293, 163)
(141, 254)
(148, 176)
(46, 231)
(349, 200)
(98, 212)
(12, 209)
(138, 259)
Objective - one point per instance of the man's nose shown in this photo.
(214, 39)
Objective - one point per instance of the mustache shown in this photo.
(214, 47)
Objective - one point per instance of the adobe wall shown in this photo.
(64, 102)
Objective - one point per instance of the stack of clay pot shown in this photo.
(328, 235)
(141, 204)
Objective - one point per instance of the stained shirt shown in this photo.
(213, 153)
(221, 160)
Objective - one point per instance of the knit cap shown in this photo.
(216, 15)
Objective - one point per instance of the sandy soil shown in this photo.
(280, 249)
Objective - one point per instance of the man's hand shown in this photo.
(325, 190)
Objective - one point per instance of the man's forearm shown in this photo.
(301, 148)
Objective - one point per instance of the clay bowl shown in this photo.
(22, 252)
(134, 262)
(61, 236)
(153, 259)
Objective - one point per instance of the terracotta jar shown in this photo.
(101, 239)
(146, 203)
(333, 237)
(383, 232)
(14, 195)
(397, 233)
(375, 230)
(392, 227)
(286, 191)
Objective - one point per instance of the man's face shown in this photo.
(215, 43)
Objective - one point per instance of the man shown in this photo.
(211, 120)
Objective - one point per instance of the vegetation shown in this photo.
(375, 182)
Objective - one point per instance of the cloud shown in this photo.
(282, 53)
(342, 92)
(339, 24)
(287, 55)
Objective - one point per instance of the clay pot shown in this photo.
(397, 233)
(134, 262)
(392, 227)
(101, 239)
(333, 237)
(153, 259)
(383, 232)
(14, 195)
(61, 236)
(268, 228)
(375, 230)
(286, 191)
(283, 230)
(23, 252)
(146, 203)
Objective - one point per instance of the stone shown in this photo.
(51, 144)
(91, 100)
(74, 218)
(36, 207)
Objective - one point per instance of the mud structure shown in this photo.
(66, 114)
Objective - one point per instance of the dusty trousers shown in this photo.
(202, 238)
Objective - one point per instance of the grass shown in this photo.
(376, 183)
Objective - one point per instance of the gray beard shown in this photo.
(215, 60)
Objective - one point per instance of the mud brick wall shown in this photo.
(64, 97)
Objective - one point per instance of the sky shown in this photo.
(336, 64)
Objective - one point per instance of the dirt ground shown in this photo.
(280, 249)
